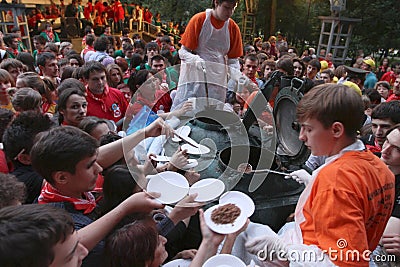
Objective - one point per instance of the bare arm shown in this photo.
(110, 153)
(231, 238)
(209, 244)
(93, 233)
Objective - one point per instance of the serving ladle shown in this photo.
(247, 168)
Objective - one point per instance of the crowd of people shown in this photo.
(68, 114)
(116, 14)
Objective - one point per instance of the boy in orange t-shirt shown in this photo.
(344, 208)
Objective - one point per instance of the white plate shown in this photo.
(191, 162)
(225, 228)
(178, 263)
(194, 150)
(243, 201)
(184, 130)
(172, 186)
(160, 158)
(224, 260)
(207, 189)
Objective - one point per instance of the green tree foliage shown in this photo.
(380, 25)
(177, 10)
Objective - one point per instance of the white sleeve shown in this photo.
(234, 63)
(188, 57)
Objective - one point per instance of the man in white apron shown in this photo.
(344, 208)
(211, 43)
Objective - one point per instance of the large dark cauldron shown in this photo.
(275, 197)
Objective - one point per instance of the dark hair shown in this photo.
(67, 72)
(90, 38)
(78, 73)
(387, 110)
(27, 59)
(7, 39)
(29, 233)
(52, 47)
(62, 62)
(27, 99)
(136, 60)
(75, 56)
(33, 80)
(60, 149)
(119, 183)
(6, 116)
(10, 63)
(137, 79)
(221, 1)
(251, 57)
(6, 77)
(132, 245)
(109, 138)
(151, 45)
(43, 57)
(40, 39)
(166, 38)
(101, 43)
(157, 58)
(315, 63)
(63, 99)
(11, 190)
(127, 46)
(329, 103)
(92, 66)
(286, 64)
(88, 29)
(22, 131)
(373, 96)
(139, 44)
(329, 72)
(70, 83)
(125, 31)
(302, 65)
(88, 124)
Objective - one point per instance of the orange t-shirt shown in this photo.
(349, 205)
(190, 38)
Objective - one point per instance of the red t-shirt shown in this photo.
(3, 162)
(389, 77)
(110, 105)
(393, 97)
(119, 13)
(87, 11)
(99, 7)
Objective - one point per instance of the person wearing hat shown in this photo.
(370, 79)
(356, 76)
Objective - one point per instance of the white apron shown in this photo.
(213, 46)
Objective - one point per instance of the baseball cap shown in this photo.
(369, 62)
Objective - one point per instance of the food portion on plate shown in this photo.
(225, 214)
(230, 214)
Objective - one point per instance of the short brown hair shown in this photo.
(221, 1)
(329, 103)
